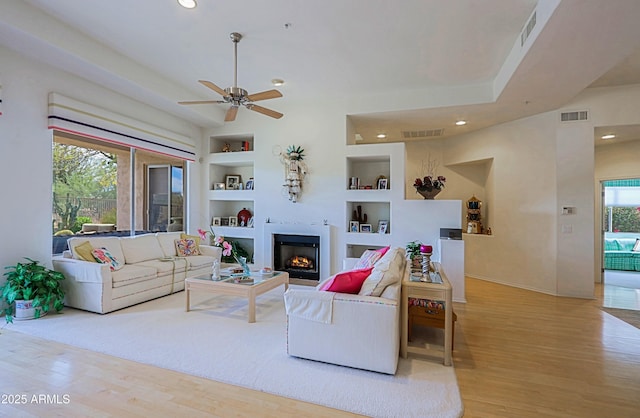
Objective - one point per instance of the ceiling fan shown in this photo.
(237, 96)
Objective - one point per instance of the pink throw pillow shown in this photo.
(370, 258)
(347, 281)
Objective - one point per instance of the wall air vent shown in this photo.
(528, 29)
(579, 115)
(425, 133)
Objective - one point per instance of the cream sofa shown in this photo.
(350, 329)
(144, 275)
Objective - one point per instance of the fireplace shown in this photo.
(298, 255)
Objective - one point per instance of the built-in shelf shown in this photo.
(231, 155)
(365, 171)
(376, 211)
(236, 144)
(355, 250)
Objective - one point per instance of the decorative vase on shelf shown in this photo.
(243, 263)
(243, 217)
(428, 194)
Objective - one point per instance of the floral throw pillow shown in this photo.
(102, 255)
(186, 247)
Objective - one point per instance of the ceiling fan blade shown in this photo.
(197, 102)
(263, 95)
(265, 111)
(231, 114)
(213, 87)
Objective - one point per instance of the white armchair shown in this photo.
(351, 330)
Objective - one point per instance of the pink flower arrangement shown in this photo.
(218, 241)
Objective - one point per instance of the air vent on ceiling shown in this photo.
(578, 115)
(425, 133)
(528, 29)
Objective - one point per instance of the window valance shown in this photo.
(73, 116)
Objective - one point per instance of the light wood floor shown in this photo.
(517, 354)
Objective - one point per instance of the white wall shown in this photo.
(26, 144)
(538, 165)
(322, 129)
(520, 190)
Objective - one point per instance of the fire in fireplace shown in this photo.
(300, 262)
(298, 255)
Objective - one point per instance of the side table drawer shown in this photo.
(428, 316)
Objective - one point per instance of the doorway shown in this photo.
(621, 243)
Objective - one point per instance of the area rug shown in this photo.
(629, 316)
(215, 341)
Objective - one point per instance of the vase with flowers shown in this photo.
(230, 250)
(429, 185)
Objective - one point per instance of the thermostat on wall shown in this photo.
(568, 210)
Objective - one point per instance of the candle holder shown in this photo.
(426, 267)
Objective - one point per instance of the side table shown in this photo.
(434, 291)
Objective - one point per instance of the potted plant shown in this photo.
(34, 287)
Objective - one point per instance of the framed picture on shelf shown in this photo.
(233, 221)
(224, 221)
(249, 184)
(217, 221)
(365, 227)
(232, 181)
(218, 186)
(354, 226)
(382, 184)
(383, 226)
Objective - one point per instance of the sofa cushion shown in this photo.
(112, 244)
(196, 262)
(186, 247)
(141, 248)
(102, 255)
(166, 267)
(84, 251)
(130, 274)
(611, 245)
(167, 242)
(347, 281)
(389, 269)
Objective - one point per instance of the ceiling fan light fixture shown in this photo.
(461, 122)
(277, 81)
(188, 4)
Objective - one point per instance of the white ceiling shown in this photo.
(410, 65)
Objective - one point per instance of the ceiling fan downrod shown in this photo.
(235, 37)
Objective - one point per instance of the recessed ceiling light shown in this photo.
(609, 136)
(188, 4)
(277, 82)
(461, 122)
(381, 136)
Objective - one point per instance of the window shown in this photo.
(93, 193)
(622, 202)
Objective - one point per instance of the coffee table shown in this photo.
(245, 286)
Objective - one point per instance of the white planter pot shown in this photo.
(25, 310)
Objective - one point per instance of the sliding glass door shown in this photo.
(165, 197)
